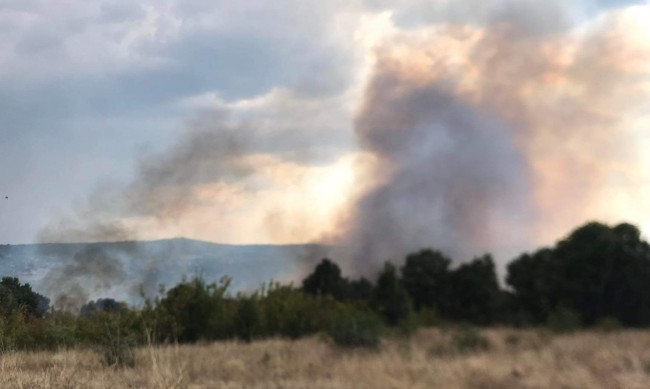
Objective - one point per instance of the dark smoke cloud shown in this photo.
(216, 149)
(490, 136)
(212, 151)
(446, 174)
(90, 270)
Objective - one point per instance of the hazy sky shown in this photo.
(92, 93)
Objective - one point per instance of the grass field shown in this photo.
(497, 358)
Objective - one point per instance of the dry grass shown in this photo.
(430, 359)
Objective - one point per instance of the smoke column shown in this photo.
(495, 136)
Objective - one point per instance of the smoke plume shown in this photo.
(215, 162)
(494, 131)
(495, 137)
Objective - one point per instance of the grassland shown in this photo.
(431, 358)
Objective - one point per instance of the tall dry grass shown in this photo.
(430, 359)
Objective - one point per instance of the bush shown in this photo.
(427, 317)
(389, 298)
(512, 339)
(359, 329)
(248, 319)
(290, 312)
(609, 324)
(407, 326)
(117, 353)
(114, 337)
(564, 320)
(467, 340)
(116, 347)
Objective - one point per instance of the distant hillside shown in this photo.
(120, 269)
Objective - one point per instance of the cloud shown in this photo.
(549, 16)
(96, 81)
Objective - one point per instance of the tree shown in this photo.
(425, 276)
(15, 296)
(597, 271)
(389, 298)
(325, 280)
(475, 291)
(606, 272)
(358, 290)
(534, 278)
(248, 319)
(108, 305)
(196, 309)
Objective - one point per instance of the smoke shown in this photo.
(491, 129)
(90, 270)
(217, 161)
(495, 136)
(445, 174)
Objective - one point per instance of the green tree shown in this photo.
(597, 271)
(248, 318)
(389, 297)
(15, 296)
(325, 280)
(534, 278)
(425, 276)
(198, 310)
(357, 290)
(475, 292)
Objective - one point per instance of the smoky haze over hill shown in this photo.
(122, 269)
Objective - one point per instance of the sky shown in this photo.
(263, 122)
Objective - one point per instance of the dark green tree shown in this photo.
(15, 296)
(425, 276)
(357, 290)
(606, 273)
(248, 318)
(475, 293)
(597, 271)
(325, 280)
(534, 279)
(197, 310)
(103, 305)
(389, 297)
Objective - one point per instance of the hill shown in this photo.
(120, 269)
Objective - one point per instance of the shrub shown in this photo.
(117, 348)
(248, 321)
(467, 340)
(358, 329)
(512, 339)
(115, 338)
(389, 298)
(427, 317)
(290, 312)
(564, 320)
(609, 324)
(117, 353)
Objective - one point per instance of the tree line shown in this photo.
(597, 274)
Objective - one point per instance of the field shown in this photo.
(429, 359)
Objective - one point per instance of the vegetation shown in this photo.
(430, 358)
(359, 329)
(598, 277)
